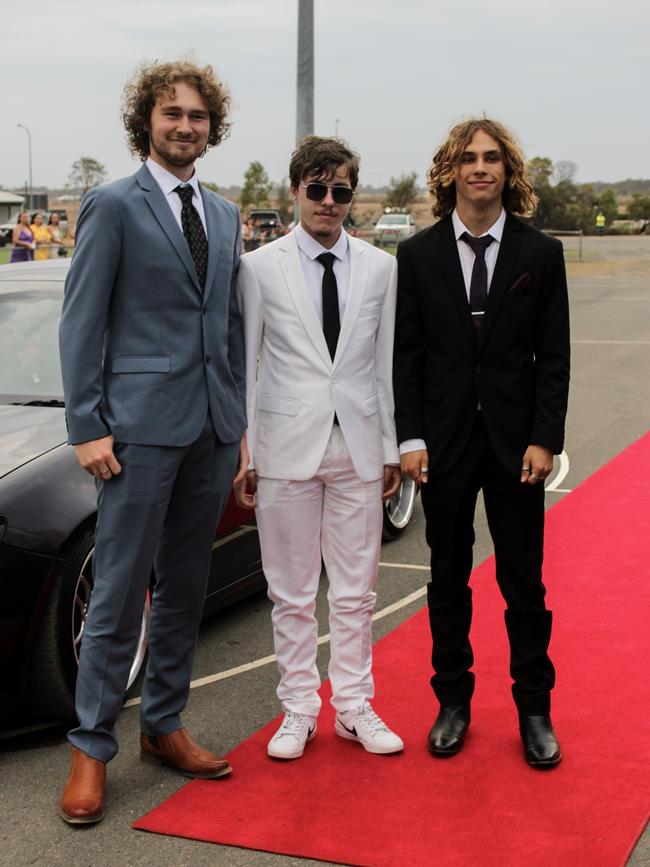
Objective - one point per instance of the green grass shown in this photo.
(5, 255)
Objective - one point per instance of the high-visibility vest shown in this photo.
(600, 221)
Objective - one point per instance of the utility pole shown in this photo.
(305, 77)
(29, 156)
(305, 70)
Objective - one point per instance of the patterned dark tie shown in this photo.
(478, 287)
(194, 232)
(331, 319)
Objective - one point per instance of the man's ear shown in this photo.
(293, 192)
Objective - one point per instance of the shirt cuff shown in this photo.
(411, 446)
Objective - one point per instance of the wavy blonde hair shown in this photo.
(518, 194)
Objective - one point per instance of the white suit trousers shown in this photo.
(339, 516)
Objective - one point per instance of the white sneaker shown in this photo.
(290, 739)
(362, 724)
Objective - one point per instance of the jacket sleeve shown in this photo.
(384, 367)
(250, 303)
(409, 352)
(552, 355)
(236, 351)
(85, 313)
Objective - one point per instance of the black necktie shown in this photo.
(478, 287)
(331, 319)
(194, 232)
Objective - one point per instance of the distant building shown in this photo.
(10, 206)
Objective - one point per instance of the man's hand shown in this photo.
(245, 487)
(416, 465)
(392, 479)
(97, 458)
(536, 465)
(244, 461)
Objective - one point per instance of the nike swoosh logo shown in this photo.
(352, 731)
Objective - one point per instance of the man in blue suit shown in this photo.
(153, 369)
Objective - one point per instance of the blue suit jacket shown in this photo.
(145, 354)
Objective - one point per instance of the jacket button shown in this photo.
(207, 359)
(479, 369)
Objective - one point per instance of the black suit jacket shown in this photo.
(518, 368)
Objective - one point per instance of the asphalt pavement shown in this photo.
(609, 409)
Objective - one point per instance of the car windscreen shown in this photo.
(394, 220)
(29, 347)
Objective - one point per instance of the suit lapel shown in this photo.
(162, 212)
(506, 259)
(453, 273)
(295, 280)
(359, 272)
(211, 211)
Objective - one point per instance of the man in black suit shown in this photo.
(481, 377)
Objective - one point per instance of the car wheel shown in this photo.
(398, 511)
(55, 659)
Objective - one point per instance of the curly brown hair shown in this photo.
(518, 195)
(153, 79)
(318, 155)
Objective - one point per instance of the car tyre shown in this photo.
(55, 657)
(398, 511)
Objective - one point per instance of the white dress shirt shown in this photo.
(168, 183)
(309, 249)
(467, 257)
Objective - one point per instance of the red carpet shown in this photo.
(486, 806)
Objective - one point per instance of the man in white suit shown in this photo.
(319, 311)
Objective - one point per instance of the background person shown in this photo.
(22, 239)
(54, 228)
(481, 381)
(155, 404)
(42, 238)
(319, 311)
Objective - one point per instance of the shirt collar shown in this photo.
(496, 230)
(312, 248)
(167, 181)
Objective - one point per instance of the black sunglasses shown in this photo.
(341, 194)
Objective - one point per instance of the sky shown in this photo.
(570, 77)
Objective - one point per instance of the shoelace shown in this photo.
(294, 724)
(370, 718)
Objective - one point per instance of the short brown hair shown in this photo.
(518, 195)
(153, 79)
(315, 155)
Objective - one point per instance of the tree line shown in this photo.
(563, 203)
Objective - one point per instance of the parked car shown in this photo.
(47, 511)
(5, 232)
(270, 222)
(7, 228)
(393, 228)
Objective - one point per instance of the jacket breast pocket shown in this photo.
(277, 404)
(141, 364)
(370, 310)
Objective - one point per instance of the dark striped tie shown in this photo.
(478, 287)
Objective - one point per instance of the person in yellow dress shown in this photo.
(42, 237)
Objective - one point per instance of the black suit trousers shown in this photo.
(515, 514)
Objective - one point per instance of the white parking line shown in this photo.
(267, 660)
(563, 471)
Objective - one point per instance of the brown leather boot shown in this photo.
(82, 802)
(179, 751)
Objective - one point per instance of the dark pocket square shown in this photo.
(521, 282)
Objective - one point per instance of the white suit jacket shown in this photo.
(293, 388)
